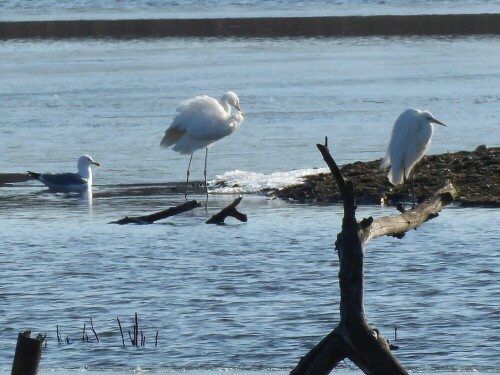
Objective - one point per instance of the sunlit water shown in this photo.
(114, 100)
(255, 295)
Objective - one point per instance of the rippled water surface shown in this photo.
(253, 295)
(114, 100)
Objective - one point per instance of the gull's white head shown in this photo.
(84, 163)
(232, 99)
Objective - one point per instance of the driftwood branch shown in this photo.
(398, 225)
(353, 337)
(149, 219)
(228, 211)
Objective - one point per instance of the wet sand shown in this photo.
(475, 174)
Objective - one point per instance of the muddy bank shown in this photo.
(475, 174)
(266, 27)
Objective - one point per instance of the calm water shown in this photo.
(252, 296)
(92, 9)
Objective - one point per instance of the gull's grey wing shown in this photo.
(63, 181)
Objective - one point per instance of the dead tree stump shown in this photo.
(28, 354)
(353, 338)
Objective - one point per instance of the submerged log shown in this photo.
(228, 211)
(149, 219)
(12, 178)
(353, 338)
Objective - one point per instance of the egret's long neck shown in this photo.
(226, 106)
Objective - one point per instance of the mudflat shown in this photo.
(476, 175)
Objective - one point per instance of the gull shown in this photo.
(69, 182)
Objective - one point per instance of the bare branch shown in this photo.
(149, 219)
(353, 337)
(228, 211)
(397, 225)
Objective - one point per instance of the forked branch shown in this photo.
(353, 337)
(228, 211)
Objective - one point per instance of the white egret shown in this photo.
(410, 139)
(201, 121)
(69, 182)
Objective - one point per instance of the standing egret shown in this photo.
(201, 121)
(410, 138)
(69, 182)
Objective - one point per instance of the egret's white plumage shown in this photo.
(200, 122)
(410, 139)
(69, 182)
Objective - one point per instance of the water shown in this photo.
(120, 9)
(251, 296)
(69, 98)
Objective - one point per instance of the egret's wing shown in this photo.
(200, 122)
(172, 136)
(398, 148)
(202, 117)
(191, 112)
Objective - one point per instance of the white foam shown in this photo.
(240, 182)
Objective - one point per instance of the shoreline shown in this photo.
(475, 174)
(258, 27)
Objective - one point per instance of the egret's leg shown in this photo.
(205, 172)
(404, 192)
(187, 176)
(413, 189)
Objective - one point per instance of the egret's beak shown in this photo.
(239, 109)
(438, 122)
(97, 164)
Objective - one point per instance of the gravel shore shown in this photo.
(475, 174)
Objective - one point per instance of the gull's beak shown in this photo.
(97, 164)
(435, 121)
